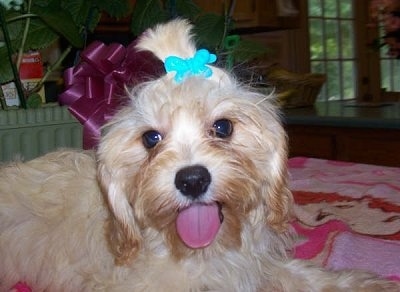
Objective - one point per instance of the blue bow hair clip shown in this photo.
(190, 66)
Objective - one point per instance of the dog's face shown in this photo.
(190, 165)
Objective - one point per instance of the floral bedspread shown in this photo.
(347, 214)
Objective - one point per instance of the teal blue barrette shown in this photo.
(190, 66)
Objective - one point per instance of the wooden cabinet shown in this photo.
(363, 145)
(244, 14)
(311, 142)
(271, 16)
(260, 14)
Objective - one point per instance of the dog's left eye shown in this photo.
(151, 138)
(223, 128)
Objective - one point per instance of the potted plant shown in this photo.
(30, 25)
(36, 24)
(33, 128)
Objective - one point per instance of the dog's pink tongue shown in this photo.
(198, 224)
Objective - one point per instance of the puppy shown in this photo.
(186, 192)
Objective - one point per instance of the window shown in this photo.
(390, 72)
(339, 38)
(331, 29)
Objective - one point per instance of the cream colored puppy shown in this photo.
(187, 192)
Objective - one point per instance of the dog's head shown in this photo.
(191, 162)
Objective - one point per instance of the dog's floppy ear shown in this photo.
(278, 198)
(276, 195)
(122, 231)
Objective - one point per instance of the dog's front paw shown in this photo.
(307, 277)
(365, 282)
(379, 285)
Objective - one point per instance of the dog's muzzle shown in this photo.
(199, 223)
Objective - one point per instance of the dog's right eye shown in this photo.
(223, 128)
(151, 138)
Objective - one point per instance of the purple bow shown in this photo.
(95, 87)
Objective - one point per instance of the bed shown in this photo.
(347, 215)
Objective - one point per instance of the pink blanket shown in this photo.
(347, 214)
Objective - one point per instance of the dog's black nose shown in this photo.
(193, 181)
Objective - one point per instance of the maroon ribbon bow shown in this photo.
(95, 88)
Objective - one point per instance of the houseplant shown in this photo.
(385, 14)
(37, 24)
(34, 24)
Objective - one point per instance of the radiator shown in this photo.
(26, 134)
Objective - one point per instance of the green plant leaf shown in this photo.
(61, 21)
(209, 30)
(34, 100)
(114, 8)
(147, 13)
(187, 9)
(39, 36)
(6, 74)
(83, 13)
(14, 27)
(247, 50)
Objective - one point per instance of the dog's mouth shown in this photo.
(198, 224)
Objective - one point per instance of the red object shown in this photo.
(31, 66)
(95, 87)
(21, 287)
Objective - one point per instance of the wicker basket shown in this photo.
(294, 89)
